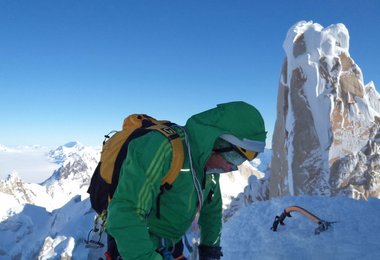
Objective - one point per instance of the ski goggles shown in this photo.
(232, 153)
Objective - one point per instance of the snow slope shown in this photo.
(354, 236)
(15, 193)
(35, 233)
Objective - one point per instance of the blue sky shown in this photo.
(72, 70)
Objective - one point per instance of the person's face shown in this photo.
(226, 157)
(216, 161)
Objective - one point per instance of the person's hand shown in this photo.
(209, 252)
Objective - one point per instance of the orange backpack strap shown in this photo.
(135, 121)
(177, 150)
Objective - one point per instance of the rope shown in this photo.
(193, 172)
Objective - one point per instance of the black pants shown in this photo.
(112, 248)
(178, 250)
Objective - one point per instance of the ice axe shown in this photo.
(322, 224)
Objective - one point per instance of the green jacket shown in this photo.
(132, 219)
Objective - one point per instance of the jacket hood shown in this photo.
(237, 119)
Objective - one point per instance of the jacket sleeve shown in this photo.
(210, 219)
(146, 164)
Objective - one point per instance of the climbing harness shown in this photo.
(322, 224)
(164, 249)
(97, 231)
(189, 247)
(192, 248)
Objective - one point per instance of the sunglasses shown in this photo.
(222, 146)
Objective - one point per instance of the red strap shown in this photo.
(108, 255)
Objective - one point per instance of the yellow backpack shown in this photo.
(106, 175)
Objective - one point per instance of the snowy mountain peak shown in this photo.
(72, 144)
(66, 151)
(320, 41)
(3, 148)
(18, 193)
(77, 164)
(13, 177)
(327, 118)
(73, 151)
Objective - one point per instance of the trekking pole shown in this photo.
(322, 224)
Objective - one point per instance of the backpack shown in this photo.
(106, 175)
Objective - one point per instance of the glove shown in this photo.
(209, 252)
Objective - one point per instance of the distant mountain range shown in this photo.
(75, 165)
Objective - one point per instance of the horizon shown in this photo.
(71, 71)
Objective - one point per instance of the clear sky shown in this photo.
(72, 70)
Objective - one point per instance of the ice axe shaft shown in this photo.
(322, 224)
(304, 212)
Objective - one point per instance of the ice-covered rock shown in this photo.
(325, 140)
